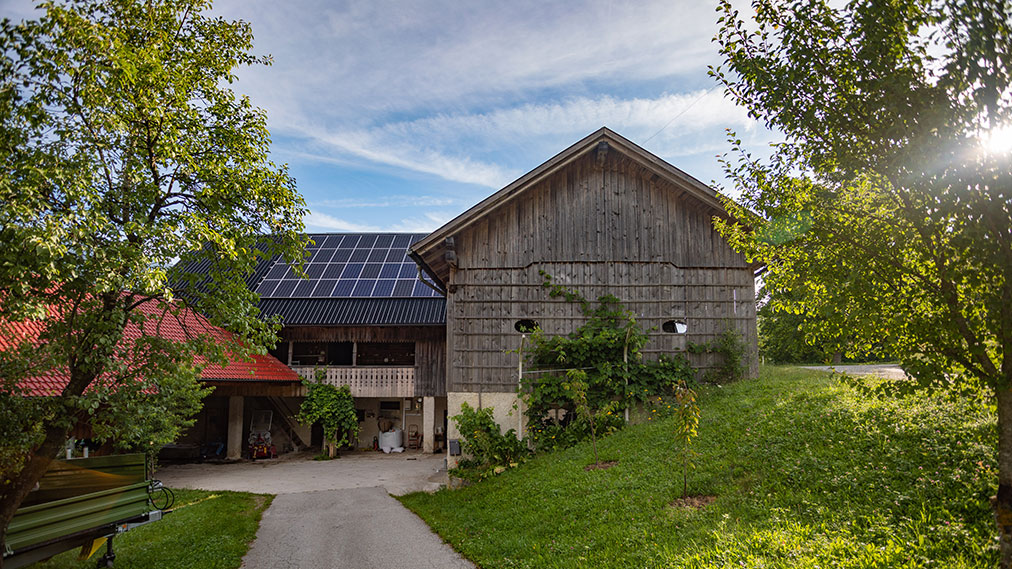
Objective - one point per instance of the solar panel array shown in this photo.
(351, 265)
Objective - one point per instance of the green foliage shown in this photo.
(606, 350)
(487, 450)
(126, 163)
(789, 338)
(174, 542)
(731, 348)
(333, 408)
(784, 337)
(808, 472)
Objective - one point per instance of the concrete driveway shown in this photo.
(398, 473)
(333, 514)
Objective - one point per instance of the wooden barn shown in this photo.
(603, 216)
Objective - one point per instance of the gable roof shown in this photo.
(604, 139)
(177, 328)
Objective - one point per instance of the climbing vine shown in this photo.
(606, 350)
(332, 407)
(731, 347)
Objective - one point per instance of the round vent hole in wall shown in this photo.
(674, 326)
(525, 326)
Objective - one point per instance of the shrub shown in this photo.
(486, 448)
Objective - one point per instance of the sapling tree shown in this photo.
(592, 414)
(686, 423)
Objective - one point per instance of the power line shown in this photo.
(685, 110)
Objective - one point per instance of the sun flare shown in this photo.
(998, 140)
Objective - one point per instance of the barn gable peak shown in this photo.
(602, 143)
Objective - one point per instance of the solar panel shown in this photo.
(345, 265)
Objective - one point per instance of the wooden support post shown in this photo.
(235, 415)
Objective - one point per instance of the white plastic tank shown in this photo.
(391, 439)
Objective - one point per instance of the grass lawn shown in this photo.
(807, 472)
(206, 530)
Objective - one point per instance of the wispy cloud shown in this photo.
(460, 147)
(323, 222)
(359, 60)
(372, 101)
(378, 146)
(389, 201)
(423, 223)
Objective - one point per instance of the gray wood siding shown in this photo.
(430, 347)
(587, 213)
(616, 229)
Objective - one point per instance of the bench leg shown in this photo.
(106, 560)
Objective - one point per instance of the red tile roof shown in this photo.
(177, 327)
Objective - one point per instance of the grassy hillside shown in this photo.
(807, 472)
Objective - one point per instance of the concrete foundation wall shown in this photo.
(503, 412)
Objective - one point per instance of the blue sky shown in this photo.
(401, 115)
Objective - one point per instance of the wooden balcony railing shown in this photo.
(366, 381)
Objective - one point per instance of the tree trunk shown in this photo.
(685, 474)
(1003, 501)
(23, 483)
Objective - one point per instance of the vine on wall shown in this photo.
(606, 351)
(731, 347)
(334, 408)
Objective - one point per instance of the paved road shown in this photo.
(888, 371)
(333, 514)
(361, 528)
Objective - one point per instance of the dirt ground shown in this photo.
(397, 473)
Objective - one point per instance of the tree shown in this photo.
(125, 161)
(793, 337)
(686, 422)
(782, 337)
(334, 408)
(885, 201)
(577, 388)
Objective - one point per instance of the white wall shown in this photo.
(502, 411)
